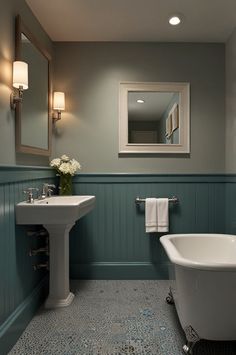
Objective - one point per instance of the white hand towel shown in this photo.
(162, 214)
(151, 215)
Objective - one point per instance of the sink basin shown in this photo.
(58, 214)
(54, 210)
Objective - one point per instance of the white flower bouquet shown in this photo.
(65, 165)
(66, 168)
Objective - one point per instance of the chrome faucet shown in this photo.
(30, 195)
(47, 190)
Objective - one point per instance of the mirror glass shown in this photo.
(34, 111)
(154, 118)
(33, 127)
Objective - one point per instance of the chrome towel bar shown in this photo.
(139, 200)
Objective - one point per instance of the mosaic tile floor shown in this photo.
(112, 318)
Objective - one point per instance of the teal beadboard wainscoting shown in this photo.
(111, 242)
(108, 243)
(230, 201)
(21, 288)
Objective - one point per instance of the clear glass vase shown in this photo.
(65, 187)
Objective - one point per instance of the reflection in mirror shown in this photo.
(34, 111)
(33, 124)
(154, 118)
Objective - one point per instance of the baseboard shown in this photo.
(120, 271)
(15, 324)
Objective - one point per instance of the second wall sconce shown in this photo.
(58, 104)
(19, 82)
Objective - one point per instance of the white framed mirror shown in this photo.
(154, 117)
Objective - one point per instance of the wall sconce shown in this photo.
(58, 104)
(20, 82)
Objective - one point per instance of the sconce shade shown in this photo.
(59, 101)
(20, 75)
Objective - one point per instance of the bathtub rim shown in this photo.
(176, 258)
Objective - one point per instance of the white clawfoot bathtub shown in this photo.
(204, 291)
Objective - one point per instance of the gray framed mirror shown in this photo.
(154, 117)
(33, 123)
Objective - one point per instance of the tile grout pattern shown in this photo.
(112, 318)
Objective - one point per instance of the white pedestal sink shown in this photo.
(58, 214)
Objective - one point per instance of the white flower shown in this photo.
(55, 163)
(75, 164)
(65, 168)
(65, 158)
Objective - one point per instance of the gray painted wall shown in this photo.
(230, 117)
(8, 11)
(90, 73)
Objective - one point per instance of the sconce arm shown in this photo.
(56, 116)
(16, 96)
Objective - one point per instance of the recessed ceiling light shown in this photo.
(140, 101)
(174, 20)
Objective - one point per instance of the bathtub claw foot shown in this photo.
(187, 348)
(170, 298)
(192, 339)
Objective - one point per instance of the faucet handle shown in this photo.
(50, 190)
(30, 195)
(51, 185)
(47, 190)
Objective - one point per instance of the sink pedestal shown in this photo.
(57, 214)
(59, 287)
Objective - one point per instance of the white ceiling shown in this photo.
(135, 20)
(154, 106)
